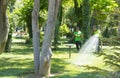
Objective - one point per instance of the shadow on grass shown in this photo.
(58, 65)
(81, 75)
(116, 48)
(95, 73)
(64, 50)
(10, 67)
(22, 49)
(12, 71)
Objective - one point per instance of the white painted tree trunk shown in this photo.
(3, 25)
(36, 35)
(46, 47)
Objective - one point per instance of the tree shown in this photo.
(78, 12)
(57, 27)
(36, 35)
(86, 19)
(24, 10)
(3, 24)
(46, 47)
(100, 12)
(11, 16)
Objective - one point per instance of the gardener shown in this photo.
(97, 32)
(78, 38)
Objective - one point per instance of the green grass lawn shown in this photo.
(19, 62)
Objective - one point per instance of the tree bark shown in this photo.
(86, 19)
(36, 35)
(8, 43)
(46, 47)
(3, 25)
(29, 26)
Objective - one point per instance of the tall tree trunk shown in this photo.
(46, 47)
(29, 26)
(9, 39)
(8, 43)
(86, 19)
(3, 25)
(57, 27)
(36, 35)
(78, 12)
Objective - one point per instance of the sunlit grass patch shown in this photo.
(19, 63)
(11, 65)
(19, 60)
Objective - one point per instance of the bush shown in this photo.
(113, 41)
(64, 30)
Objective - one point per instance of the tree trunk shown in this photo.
(9, 39)
(3, 25)
(57, 27)
(8, 43)
(78, 12)
(36, 35)
(29, 26)
(46, 47)
(86, 19)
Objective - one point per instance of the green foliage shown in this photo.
(111, 41)
(68, 15)
(64, 29)
(29, 41)
(67, 4)
(102, 8)
(71, 18)
(113, 22)
(24, 10)
(103, 5)
(10, 15)
(79, 2)
(112, 60)
(86, 18)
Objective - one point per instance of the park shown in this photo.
(59, 39)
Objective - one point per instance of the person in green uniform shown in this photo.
(97, 32)
(78, 38)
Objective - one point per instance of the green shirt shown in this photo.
(77, 35)
(98, 32)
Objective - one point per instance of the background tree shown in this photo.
(86, 11)
(11, 24)
(112, 27)
(36, 35)
(78, 12)
(46, 47)
(57, 27)
(100, 12)
(3, 24)
(24, 14)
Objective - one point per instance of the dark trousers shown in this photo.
(78, 45)
(98, 47)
